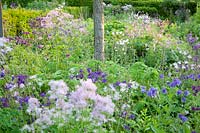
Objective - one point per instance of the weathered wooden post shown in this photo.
(1, 22)
(98, 29)
(1, 26)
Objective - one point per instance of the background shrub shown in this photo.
(16, 21)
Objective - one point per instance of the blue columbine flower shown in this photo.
(183, 99)
(186, 93)
(2, 74)
(179, 92)
(164, 91)
(175, 82)
(143, 89)
(182, 117)
(132, 116)
(152, 92)
(161, 76)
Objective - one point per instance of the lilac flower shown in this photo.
(186, 93)
(193, 132)
(179, 92)
(183, 99)
(152, 92)
(164, 91)
(195, 89)
(182, 117)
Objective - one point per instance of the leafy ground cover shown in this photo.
(150, 81)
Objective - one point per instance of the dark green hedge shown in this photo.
(79, 2)
(164, 9)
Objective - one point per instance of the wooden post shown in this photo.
(1, 22)
(98, 30)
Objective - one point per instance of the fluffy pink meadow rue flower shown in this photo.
(103, 106)
(58, 89)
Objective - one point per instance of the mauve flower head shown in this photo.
(152, 92)
(182, 117)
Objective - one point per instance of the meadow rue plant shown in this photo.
(64, 105)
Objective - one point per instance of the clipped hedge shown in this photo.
(79, 2)
(16, 21)
(165, 9)
(77, 12)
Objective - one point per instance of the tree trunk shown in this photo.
(98, 30)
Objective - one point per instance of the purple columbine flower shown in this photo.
(164, 91)
(43, 94)
(196, 47)
(21, 79)
(182, 117)
(152, 92)
(175, 82)
(89, 70)
(127, 127)
(186, 93)
(161, 76)
(195, 108)
(4, 102)
(179, 92)
(104, 80)
(2, 74)
(183, 99)
(124, 113)
(132, 116)
(143, 89)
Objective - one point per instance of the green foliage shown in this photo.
(79, 2)
(11, 120)
(165, 9)
(22, 3)
(79, 12)
(42, 5)
(16, 21)
(152, 11)
(143, 74)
